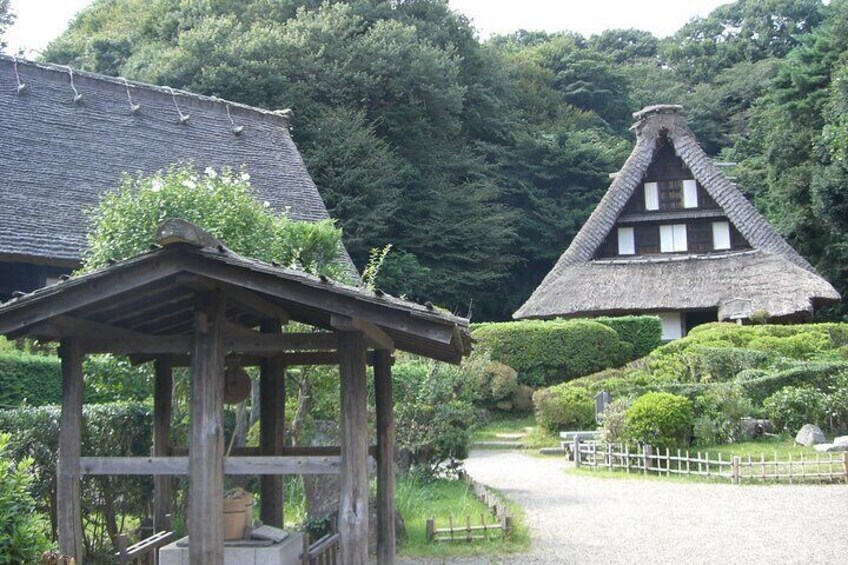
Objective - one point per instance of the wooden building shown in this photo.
(673, 236)
(194, 302)
(66, 136)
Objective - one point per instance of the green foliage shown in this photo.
(659, 419)
(718, 411)
(612, 421)
(494, 384)
(643, 332)
(792, 407)
(36, 380)
(108, 430)
(7, 18)
(758, 385)
(221, 202)
(433, 413)
(550, 352)
(24, 532)
(562, 407)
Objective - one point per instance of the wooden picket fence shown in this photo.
(823, 468)
(501, 524)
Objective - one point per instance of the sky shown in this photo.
(39, 21)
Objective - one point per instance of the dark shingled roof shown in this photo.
(773, 277)
(57, 155)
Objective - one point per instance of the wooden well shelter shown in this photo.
(193, 302)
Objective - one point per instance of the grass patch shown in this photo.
(534, 436)
(440, 499)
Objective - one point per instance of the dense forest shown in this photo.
(479, 160)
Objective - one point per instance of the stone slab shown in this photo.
(286, 552)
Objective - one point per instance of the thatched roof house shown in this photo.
(674, 236)
(66, 136)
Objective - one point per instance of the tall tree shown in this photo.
(6, 20)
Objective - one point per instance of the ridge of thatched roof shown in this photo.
(63, 143)
(561, 294)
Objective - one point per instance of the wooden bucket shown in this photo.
(238, 513)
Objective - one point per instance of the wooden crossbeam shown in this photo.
(135, 343)
(262, 465)
(377, 337)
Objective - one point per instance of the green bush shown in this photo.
(718, 411)
(494, 385)
(36, 380)
(563, 407)
(644, 333)
(550, 352)
(24, 532)
(434, 414)
(659, 419)
(115, 429)
(223, 203)
(792, 407)
(821, 376)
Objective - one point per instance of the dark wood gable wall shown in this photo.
(669, 172)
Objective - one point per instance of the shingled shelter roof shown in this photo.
(152, 294)
(773, 277)
(67, 136)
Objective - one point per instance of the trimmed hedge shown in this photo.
(644, 333)
(36, 380)
(551, 352)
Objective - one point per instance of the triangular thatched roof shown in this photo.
(58, 153)
(771, 276)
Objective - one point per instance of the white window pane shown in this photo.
(721, 235)
(666, 239)
(652, 196)
(690, 194)
(680, 237)
(626, 242)
(671, 325)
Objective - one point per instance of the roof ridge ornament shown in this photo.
(134, 106)
(184, 118)
(176, 230)
(21, 85)
(77, 95)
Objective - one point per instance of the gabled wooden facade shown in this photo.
(673, 236)
(195, 303)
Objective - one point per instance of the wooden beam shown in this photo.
(386, 542)
(255, 304)
(206, 454)
(162, 410)
(69, 516)
(272, 419)
(68, 326)
(288, 451)
(238, 341)
(261, 465)
(378, 338)
(353, 506)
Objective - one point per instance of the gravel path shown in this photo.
(580, 519)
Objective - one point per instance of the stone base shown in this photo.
(287, 552)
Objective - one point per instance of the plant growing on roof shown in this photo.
(221, 202)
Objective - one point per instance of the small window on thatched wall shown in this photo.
(673, 238)
(721, 236)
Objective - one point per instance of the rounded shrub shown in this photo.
(791, 407)
(564, 408)
(660, 419)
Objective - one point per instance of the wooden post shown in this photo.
(845, 465)
(647, 453)
(353, 507)
(575, 451)
(162, 409)
(272, 405)
(206, 452)
(386, 543)
(734, 470)
(69, 516)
